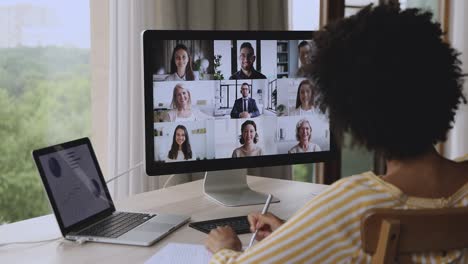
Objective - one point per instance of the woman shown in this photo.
(180, 149)
(248, 139)
(303, 135)
(305, 99)
(182, 107)
(387, 78)
(181, 65)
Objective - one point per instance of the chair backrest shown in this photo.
(391, 235)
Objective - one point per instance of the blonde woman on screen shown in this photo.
(182, 107)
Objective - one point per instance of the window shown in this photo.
(44, 93)
(353, 6)
(304, 14)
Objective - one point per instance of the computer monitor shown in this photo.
(226, 100)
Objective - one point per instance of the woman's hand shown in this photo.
(223, 238)
(266, 224)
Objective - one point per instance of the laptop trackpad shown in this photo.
(148, 232)
(154, 227)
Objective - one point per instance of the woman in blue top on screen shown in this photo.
(182, 107)
(181, 65)
(248, 139)
(180, 149)
(305, 99)
(304, 135)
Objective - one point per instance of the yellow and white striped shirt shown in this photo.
(326, 229)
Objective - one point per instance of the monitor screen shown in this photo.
(217, 100)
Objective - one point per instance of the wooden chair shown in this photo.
(391, 235)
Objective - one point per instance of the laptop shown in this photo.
(81, 202)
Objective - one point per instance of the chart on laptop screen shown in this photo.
(218, 99)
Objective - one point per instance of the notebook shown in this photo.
(82, 204)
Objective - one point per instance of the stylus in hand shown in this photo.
(264, 211)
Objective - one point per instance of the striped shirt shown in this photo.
(327, 228)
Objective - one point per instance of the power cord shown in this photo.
(29, 242)
(78, 241)
(168, 180)
(124, 172)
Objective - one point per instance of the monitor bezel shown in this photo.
(154, 168)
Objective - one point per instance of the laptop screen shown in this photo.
(73, 181)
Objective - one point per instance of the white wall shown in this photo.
(457, 143)
(268, 54)
(304, 14)
(223, 48)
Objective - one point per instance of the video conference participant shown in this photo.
(248, 139)
(305, 99)
(180, 148)
(306, 54)
(182, 107)
(181, 65)
(304, 136)
(374, 48)
(247, 59)
(245, 107)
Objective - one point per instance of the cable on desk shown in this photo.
(124, 172)
(29, 242)
(167, 181)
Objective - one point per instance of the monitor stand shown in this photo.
(230, 188)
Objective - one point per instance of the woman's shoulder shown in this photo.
(170, 77)
(236, 152)
(293, 149)
(170, 115)
(199, 114)
(462, 158)
(367, 182)
(259, 150)
(295, 112)
(314, 147)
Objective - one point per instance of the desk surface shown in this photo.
(186, 199)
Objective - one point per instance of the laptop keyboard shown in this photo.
(239, 224)
(116, 225)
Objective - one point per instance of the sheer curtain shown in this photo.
(457, 143)
(127, 19)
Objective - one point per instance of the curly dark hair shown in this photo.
(387, 77)
(243, 126)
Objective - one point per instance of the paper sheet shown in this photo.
(175, 253)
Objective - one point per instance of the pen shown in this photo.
(264, 211)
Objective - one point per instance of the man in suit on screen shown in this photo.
(245, 107)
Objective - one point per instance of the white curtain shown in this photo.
(457, 143)
(126, 116)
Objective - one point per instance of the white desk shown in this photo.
(187, 199)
